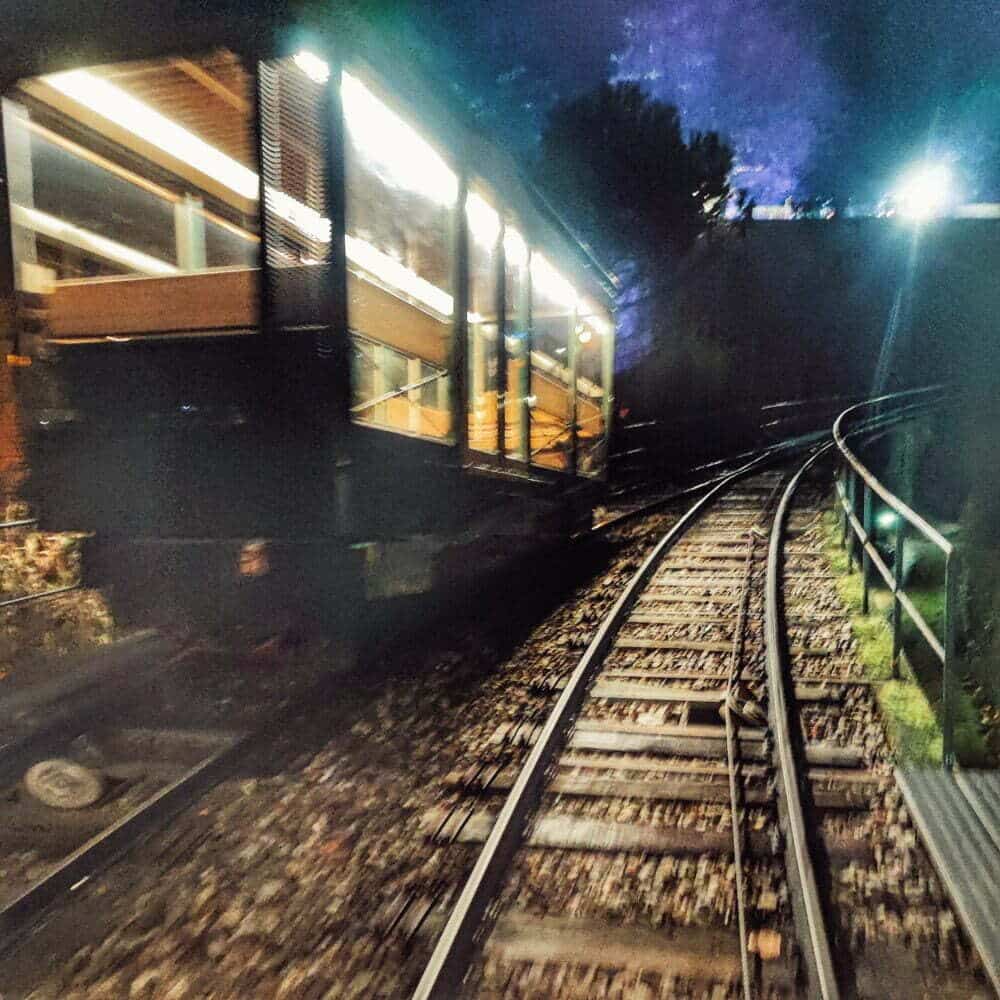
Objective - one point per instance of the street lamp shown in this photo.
(924, 191)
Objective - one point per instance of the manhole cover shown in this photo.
(63, 784)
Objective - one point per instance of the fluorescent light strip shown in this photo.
(514, 248)
(315, 68)
(484, 222)
(83, 239)
(132, 178)
(546, 279)
(404, 157)
(306, 220)
(398, 275)
(125, 111)
(590, 316)
(140, 119)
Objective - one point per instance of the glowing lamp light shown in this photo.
(584, 335)
(402, 156)
(315, 68)
(514, 248)
(397, 275)
(547, 280)
(66, 232)
(594, 319)
(140, 119)
(924, 192)
(484, 222)
(886, 519)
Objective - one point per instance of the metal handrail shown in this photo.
(852, 472)
(891, 500)
(393, 393)
(23, 523)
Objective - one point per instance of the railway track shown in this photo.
(91, 768)
(99, 760)
(626, 877)
(721, 685)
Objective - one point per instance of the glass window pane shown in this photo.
(483, 351)
(552, 305)
(594, 325)
(400, 199)
(516, 409)
(139, 171)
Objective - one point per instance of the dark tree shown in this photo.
(615, 161)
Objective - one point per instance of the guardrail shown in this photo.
(23, 523)
(857, 487)
(645, 446)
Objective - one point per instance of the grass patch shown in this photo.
(835, 554)
(911, 703)
(930, 604)
(874, 638)
(849, 589)
(911, 724)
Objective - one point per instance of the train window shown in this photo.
(133, 187)
(553, 304)
(517, 413)
(594, 327)
(400, 198)
(484, 243)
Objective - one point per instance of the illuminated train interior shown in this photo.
(135, 208)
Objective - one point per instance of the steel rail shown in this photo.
(882, 421)
(25, 598)
(443, 975)
(444, 972)
(19, 916)
(760, 457)
(734, 761)
(807, 909)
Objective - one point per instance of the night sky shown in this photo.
(818, 97)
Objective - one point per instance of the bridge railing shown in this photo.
(857, 488)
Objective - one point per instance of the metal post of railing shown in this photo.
(897, 585)
(948, 671)
(845, 525)
(848, 472)
(852, 496)
(866, 559)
